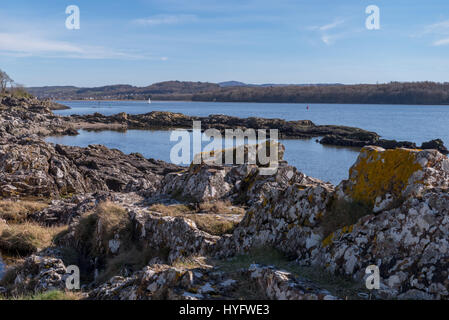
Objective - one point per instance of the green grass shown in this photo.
(49, 295)
(339, 286)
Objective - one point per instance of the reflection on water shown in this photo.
(322, 162)
(399, 122)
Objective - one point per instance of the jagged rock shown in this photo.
(166, 282)
(173, 237)
(282, 285)
(154, 282)
(110, 169)
(243, 184)
(33, 167)
(409, 244)
(407, 238)
(285, 219)
(436, 144)
(362, 140)
(159, 281)
(38, 274)
(67, 211)
(179, 235)
(244, 154)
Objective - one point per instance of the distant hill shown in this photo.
(175, 89)
(232, 84)
(235, 91)
(242, 84)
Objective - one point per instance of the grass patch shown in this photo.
(26, 238)
(214, 222)
(343, 213)
(213, 225)
(221, 207)
(339, 286)
(49, 295)
(171, 210)
(189, 262)
(108, 219)
(18, 211)
(113, 219)
(92, 235)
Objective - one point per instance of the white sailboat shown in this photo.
(149, 100)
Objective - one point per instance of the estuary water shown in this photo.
(400, 122)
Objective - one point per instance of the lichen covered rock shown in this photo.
(38, 274)
(285, 219)
(409, 244)
(382, 178)
(282, 285)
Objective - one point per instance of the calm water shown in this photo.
(413, 123)
(327, 163)
(400, 122)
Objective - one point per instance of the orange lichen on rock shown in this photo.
(378, 172)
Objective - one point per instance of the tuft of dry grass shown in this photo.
(108, 219)
(26, 238)
(18, 211)
(113, 219)
(213, 224)
(221, 207)
(209, 217)
(171, 210)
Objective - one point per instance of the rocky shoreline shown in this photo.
(301, 129)
(144, 229)
(49, 124)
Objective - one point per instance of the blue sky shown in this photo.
(145, 41)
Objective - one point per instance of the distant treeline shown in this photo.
(390, 93)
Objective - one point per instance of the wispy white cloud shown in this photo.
(27, 45)
(441, 27)
(324, 31)
(441, 42)
(331, 26)
(439, 31)
(166, 19)
(328, 26)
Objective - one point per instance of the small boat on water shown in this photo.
(149, 100)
